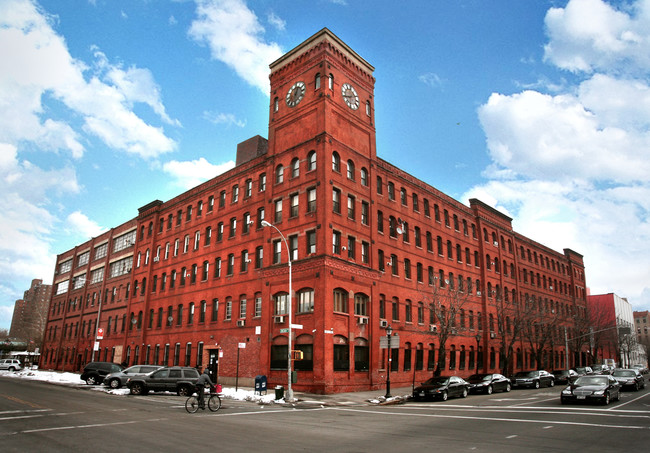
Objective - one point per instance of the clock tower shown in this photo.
(322, 91)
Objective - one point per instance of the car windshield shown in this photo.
(437, 381)
(523, 374)
(591, 380)
(624, 373)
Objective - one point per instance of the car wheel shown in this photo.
(137, 389)
(91, 380)
(536, 384)
(184, 391)
(489, 390)
(606, 399)
(465, 392)
(444, 395)
(508, 387)
(11, 368)
(115, 384)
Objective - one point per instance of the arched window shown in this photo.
(350, 170)
(281, 304)
(336, 162)
(295, 167)
(305, 300)
(340, 300)
(364, 176)
(317, 81)
(311, 160)
(279, 174)
(361, 302)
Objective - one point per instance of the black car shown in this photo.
(488, 383)
(565, 376)
(629, 377)
(95, 372)
(533, 379)
(441, 387)
(600, 388)
(181, 380)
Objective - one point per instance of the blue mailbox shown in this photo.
(260, 384)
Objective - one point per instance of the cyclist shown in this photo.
(200, 386)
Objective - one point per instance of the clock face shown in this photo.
(350, 96)
(295, 94)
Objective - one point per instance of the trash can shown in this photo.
(279, 392)
(260, 384)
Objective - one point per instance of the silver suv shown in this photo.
(10, 364)
(119, 378)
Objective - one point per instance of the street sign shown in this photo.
(96, 346)
(286, 330)
(394, 342)
(100, 333)
(242, 345)
(296, 326)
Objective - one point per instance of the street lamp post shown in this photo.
(389, 332)
(289, 373)
(478, 342)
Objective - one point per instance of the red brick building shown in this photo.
(199, 277)
(29, 316)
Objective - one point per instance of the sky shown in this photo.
(539, 108)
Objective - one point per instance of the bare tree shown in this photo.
(540, 327)
(446, 300)
(512, 318)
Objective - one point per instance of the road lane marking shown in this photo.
(496, 419)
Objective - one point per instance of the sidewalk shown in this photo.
(371, 397)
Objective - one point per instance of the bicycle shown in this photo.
(213, 402)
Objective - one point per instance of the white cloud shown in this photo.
(431, 79)
(37, 67)
(276, 21)
(189, 174)
(233, 34)
(571, 167)
(79, 224)
(223, 118)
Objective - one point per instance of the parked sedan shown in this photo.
(488, 383)
(534, 379)
(629, 378)
(565, 376)
(600, 388)
(441, 387)
(119, 378)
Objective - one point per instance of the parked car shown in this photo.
(119, 378)
(10, 365)
(181, 380)
(95, 372)
(629, 377)
(565, 376)
(488, 383)
(601, 369)
(441, 387)
(601, 388)
(642, 368)
(534, 379)
(584, 370)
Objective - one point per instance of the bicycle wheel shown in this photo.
(214, 403)
(192, 404)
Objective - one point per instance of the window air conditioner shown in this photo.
(241, 322)
(363, 320)
(478, 293)
(383, 323)
(278, 319)
(433, 328)
(495, 243)
(156, 259)
(493, 335)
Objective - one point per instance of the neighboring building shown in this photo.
(30, 315)
(641, 322)
(201, 279)
(612, 323)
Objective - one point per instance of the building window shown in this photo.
(295, 167)
(279, 174)
(336, 242)
(351, 207)
(277, 251)
(336, 201)
(311, 242)
(364, 177)
(391, 191)
(311, 199)
(305, 300)
(278, 211)
(365, 209)
(293, 247)
(261, 185)
(336, 162)
(361, 302)
(352, 245)
(340, 300)
(259, 257)
(280, 304)
(293, 210)
(350, 170)
(248, 191)
(311, 161)
(365, 252)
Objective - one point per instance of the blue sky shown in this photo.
(538, 108)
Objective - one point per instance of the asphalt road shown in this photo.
(37, 416)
